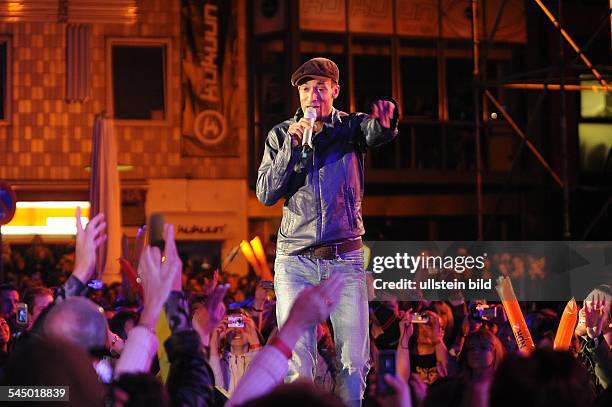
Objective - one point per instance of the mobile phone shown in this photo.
(486, 312)
(235, 321)
(386, 365)
(155, 229)
(419, 318)
(22, 313)
(268, 285)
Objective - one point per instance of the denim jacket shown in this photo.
(323, 189)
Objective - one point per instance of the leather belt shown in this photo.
(331, 252)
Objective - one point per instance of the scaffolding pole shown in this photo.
(562, 87)
(476, 96)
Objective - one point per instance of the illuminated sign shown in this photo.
(55, 218)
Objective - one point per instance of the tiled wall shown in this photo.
(49, 139)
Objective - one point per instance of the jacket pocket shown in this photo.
(286, 223)
(349, 204)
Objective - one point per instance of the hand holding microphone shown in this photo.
(301, 131)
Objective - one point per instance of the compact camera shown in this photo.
(235, 321)
(486, 312)
(420, 318)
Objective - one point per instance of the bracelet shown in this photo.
(281, 346)
(257, 310)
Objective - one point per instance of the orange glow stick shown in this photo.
(247, 251)
(515, 315)
(260, 255)
(566, 326)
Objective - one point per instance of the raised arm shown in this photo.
(88, 239)
(157, 279)
(270, 366)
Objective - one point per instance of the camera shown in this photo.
(419, 318)
(486, 312)
(22, 313)
(235, 321)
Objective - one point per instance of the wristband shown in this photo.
(281, 346)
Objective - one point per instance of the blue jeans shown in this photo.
(349, 319)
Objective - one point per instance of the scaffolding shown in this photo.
(480, 90)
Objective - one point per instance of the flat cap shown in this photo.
(316, 68)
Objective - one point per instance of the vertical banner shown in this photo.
(323, 15)
(268, 16)
(209, 78)
(371, 16)
(418, 18)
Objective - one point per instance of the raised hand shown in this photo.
(596, 314)
(313, 305)
(158, 278)
(400, 396)
(211, 283)
(383, 111)
(88, 239)
(172, 266)
(406, 327)
(250, 331)
(296, 131)
(261, 294)
(434, 322)
(207, 318)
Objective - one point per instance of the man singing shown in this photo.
(322, 182)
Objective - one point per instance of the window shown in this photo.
(5, 80)
(459, 82)
(139, 72)
(372, 80)
(594, 129)
(420, 87)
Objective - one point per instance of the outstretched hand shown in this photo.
(383, 111)
(88, 239)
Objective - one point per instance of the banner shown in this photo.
(457, 20)
(323, 15)
(209, 76)
(417, 18)
(371, 16)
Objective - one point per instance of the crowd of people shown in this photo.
(225, 348)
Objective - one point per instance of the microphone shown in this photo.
(311, 115)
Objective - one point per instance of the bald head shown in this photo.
(79, 321)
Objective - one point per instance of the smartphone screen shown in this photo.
(22, 313)
(386, 365)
